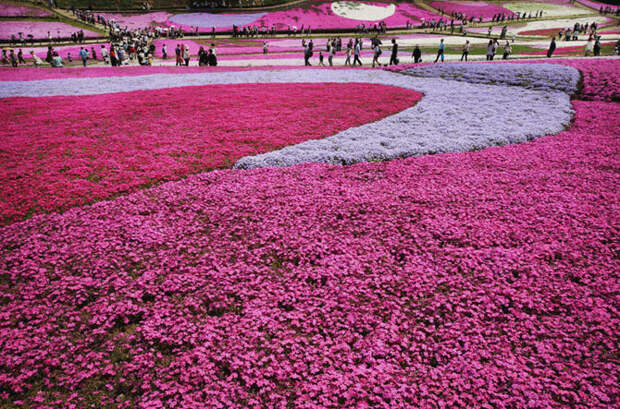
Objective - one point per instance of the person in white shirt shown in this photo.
(37, 60)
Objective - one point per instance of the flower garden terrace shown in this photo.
(445, 237)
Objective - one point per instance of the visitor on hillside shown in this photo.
(551, 48)
(307, 54)
(13, 58)
(321, 58)
(93, 53)
(356, 53)
(164, 52)
(440, 51)
(597, 46)
(589, 47)
(20, 57)
(466, 49)
(177, 52)
(507, 50)
(69, 58)
(495, 47)
(265, 48)
(114, 61)
(202, 57)
(332, 52)
(348, 53)
(394, 56)
(105, 55)
(376, 54)
(212, 58)
(186, 55)
(490, 50)
(83, 56)
(57, 61)
(37, 61)
(417, 54)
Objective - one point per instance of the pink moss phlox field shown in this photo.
(600, 78)
(39, 29)
(322, 16)
(14, 10)
(471, 8)
(137, 21)
(55, 156)
(475, 280)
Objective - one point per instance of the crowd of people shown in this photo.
(212, 4)
(130, 46)
(572, 33)
(497, 18)
(604, 10)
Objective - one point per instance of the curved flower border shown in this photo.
(453, 117)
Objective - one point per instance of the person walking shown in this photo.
(507, 50)
(177, 52)
(466, 49)
(376, 54)
(417, 54)
(332, 52)
(105, 55)
(13, 58)
(83, 56)
(394, 56)
(440, 51)
(164, 52)
(597, 47)
(321, 59)
(490, 50)
(551, 48)
(20, 57)
(589, 47)
(348, 53)
(186, 55)
(356, 53)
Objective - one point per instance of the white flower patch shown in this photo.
(453, 116)
(360, 11)
(544, 77)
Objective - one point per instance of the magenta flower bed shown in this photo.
(14, 10)
(600, 78)
(136, 21)
(471, 8)
(39, 29)
(485, 279)
(55, 156)
(320, 16)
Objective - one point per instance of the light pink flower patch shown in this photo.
(14, 10)
(474, 9)
(64, 151)
(39, 29)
